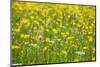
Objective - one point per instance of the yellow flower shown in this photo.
(34, 45)
(90, 27)
(45, 11)
(67, 33)
(47, 39)
(40, 36)
(61, 17)
(74, 23)
(47, 25)
(86, 26)
(89, 32)
(61, 26)
(58, 20)
(17, 30)
(63, 34)
(32, 17)
(36, 22)
(41, 27)
(54, 30)
(24, 35)
(17, 6)
(49, 17)
(45, 48)
(64, 52)
(90, 38)
(24, 21)
(69, 16)
(15, 46)
(85, 47)
(47, 30)
(78, 25)
(70, 38)
(26, 43)
(35, 29)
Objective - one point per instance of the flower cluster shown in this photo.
(52, 33)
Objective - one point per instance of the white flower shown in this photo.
(58, 39)
(34, 45)
(52, 41)
(80, 52)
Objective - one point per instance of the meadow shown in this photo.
(44, 33)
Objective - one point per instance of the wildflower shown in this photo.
(47, 39)
(58, 39)
(85, 47)
(58, 20)
(86, 27)
(24, 35)
(70, 38)
(33, 45)
(52, 41)
(32, 17)
(69, 16)
(80, 52)
(90, 27)
(79, 25)
(47, 30)
(17, 6)
(17, 30)
(45, 11)
(62, 33)
(45, 48)
(90, 32)
(64, 52)
(26, 42)
(61, 26)
(54, 30)
(49, 17)
(41, 27)
(47, 25)
(90, 38)
(24, 21)
(15, 46)
(74, 23)
(40, 36)
(36, 22)
(67, 33)
(35, 29)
